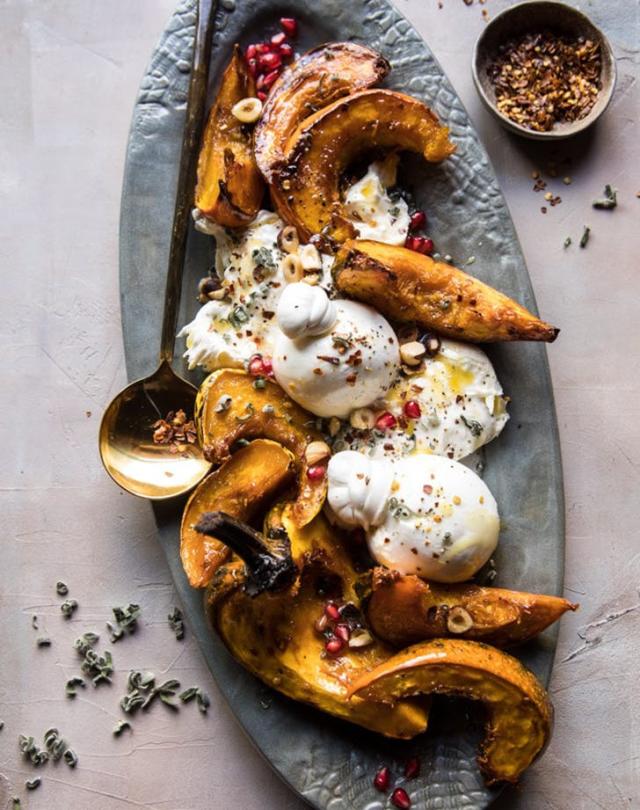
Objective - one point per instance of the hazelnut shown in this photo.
(288, 239)
(210, 289)
(310, 257)
(317, 452)
(292, 268)
(431, 343)
(248, 110)
(459, 620)
(362, 419)
(412, 353)
(407, 333)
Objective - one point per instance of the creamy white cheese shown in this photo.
(461, 403)
(373, 212)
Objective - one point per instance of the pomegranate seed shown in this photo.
(289, 26)
(269, 61)
(261, 95)
(286, 51)
(421, 244)
(400, 798)
(267, 365)
(426, 245)
(270, 78)
(251, 52)
(382, 779)
(256, 366)
(412, 768)
(342, 632)
(278, 39)
(418, 220)
(412, 409)
(411, 242)
(334, 646)
(386, 421)
(316, 473)
(332, 611)
(252, 66)
(263, 47)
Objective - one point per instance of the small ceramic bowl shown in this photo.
(537, 15)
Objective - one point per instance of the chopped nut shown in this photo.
(408, 333)
(310, 258)
(334, 426)
(317, 452)
(412, 353)
(360, 637)
(459, 620)
(248, 110)
(288, 239)
(312, 279)
(292, 269)
(362, 419)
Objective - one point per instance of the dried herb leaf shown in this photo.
(68, 608)
(609, 201)
(474, 427)
(61, 588)
(120, 726)
(70, 686)
(43, 641)
(70, 757)
(126, 621)
(584, 239)
(32, 784)
(176, 623)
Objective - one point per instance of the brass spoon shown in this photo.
(127, 449)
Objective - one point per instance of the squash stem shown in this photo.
(266, 571)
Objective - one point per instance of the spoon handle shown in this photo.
(187, 175)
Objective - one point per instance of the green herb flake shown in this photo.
(399, 509)
(259, 383)
(609, 201)
(62, 588)
(126, 621)
(99, 667)
(474, 427)
(30, 750)
(584, 239)
(32, 784)
(567, 242)
(16, 803)
(263, 257)
(188, 694)
(71, 684)
(248, 413)
(68, 608)
(238, 316)
(43, 641)
(70, 757)
(176, 623)
(120, 726)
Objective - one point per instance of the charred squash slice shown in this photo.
(405, 609)
(519, 712)
(229, 188)
(313, 81)
(274, 637)
(245, 485)
(406, 286)
(306, 191)
(229, 408)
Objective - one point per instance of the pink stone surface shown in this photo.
(69, 75)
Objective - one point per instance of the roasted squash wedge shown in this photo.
(313, 81)
(519, 712)
(407, 286)
(274, 637)
(306, 191)
(229, 408)
(405, 609)
(245, 485)
(229, 188)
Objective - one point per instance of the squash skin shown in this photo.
(229, 189)
(519, 712)
(404, 610)
(315, 80)
(242, 487)
(273, 635)
(306, 192)
(288, 424)
(406, 286)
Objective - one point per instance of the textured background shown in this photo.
(70, 72)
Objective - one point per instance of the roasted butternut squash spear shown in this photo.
(519, 712)
(229, 408)
(229, 188)
(245, 485)
(403, 610)
(274, 634)
(407, 286)
(306, 192)
(312, 82)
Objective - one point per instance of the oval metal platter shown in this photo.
(327, 762)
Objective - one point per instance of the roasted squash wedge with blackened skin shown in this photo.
(403, 610)
(274, 636)
(229, 407)
(313, 81)
(244, 486)
(306, 192)
(229, 188)
(519, 712)
(406, 286)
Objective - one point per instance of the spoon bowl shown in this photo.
(129, 454)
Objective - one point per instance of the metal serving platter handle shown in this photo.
(328, 762)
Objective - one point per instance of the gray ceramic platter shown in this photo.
(327, 762)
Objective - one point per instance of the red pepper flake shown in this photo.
(335, 361)
(351, 379)
(427, 489)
